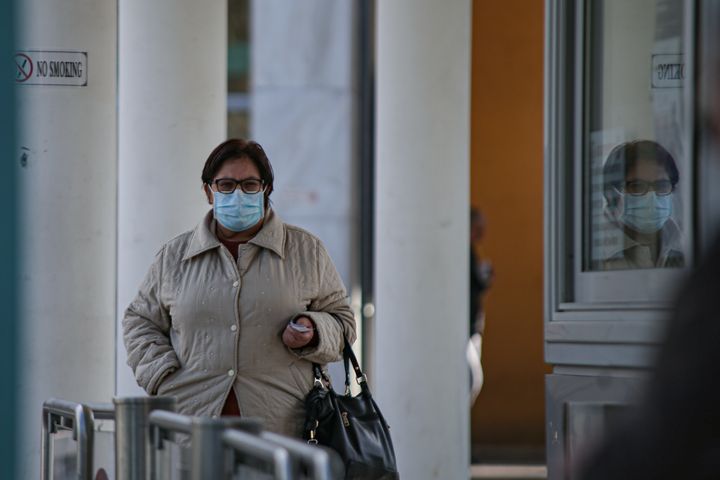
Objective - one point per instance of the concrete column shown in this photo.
(420, 377)
(67, 176)
(171, 114)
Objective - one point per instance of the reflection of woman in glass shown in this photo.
(638, 182)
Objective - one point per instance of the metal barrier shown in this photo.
(316, 460)
(132, 440)
(78, 417)
(210, 438)
(161, 426)
(143, 424)
(261, 449)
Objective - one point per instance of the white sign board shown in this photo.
(668, 71)
(36, 67)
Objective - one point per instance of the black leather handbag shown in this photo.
(352, 426)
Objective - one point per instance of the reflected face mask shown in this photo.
(238, 211)
(646, 213)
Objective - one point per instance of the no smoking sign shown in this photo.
(24, 67)
(51, 67)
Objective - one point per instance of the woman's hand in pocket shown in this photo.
(163, 383)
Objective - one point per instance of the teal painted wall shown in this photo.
(8, 249)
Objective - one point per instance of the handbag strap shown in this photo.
(348, 358)
(348, 353)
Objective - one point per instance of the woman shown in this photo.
(233, 313)
(639, 180)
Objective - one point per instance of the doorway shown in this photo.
(506, 175)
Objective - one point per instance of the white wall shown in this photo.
(172, 113)
(422, 151)
(68, 220)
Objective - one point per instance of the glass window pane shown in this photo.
(634, 141)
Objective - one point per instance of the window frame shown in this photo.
(587, 310)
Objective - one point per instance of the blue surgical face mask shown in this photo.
(646, 213)
(238, 211)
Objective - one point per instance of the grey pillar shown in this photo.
(67, 175)
(422, 200)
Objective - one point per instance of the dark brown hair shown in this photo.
(240, 148)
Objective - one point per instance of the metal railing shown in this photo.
(144, 424)
(80, 418)
(261, 449)
(210, 438)
(132, 438)
(316, 460)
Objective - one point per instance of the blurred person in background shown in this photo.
(481, 275)
(674, 432)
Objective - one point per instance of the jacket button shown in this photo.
(233, 327)
(235, 284)
(231, 372)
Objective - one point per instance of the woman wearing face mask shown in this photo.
(233, 313)
(639, 180)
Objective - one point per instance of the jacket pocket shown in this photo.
(169, 383)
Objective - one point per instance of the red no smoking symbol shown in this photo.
(24, 67)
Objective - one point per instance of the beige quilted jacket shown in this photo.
(202, 323)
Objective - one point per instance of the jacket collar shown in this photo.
(270, 236)
(670, 240)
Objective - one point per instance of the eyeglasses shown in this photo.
(248, 185)
(641, 187)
